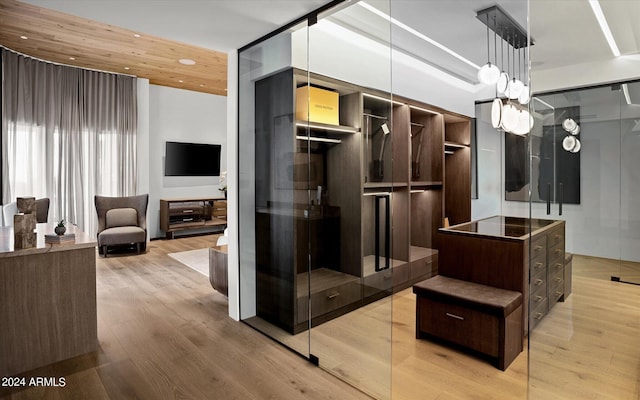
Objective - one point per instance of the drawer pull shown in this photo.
(538, 265)
(558, 236)
(539, 298)
(559, 251)
(187, 211)
(558, 294)
(538, 316)
(333, 295)
(187, 219)
(539, 282)
(558, 265)
(558, 280)
(537, 248)
(454, 316)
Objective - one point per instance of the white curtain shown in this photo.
(67, 134)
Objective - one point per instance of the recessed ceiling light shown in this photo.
(24, 37)
(186, 61)
(72, 58)
(136, 35)
(127, 68)
(180, 80)
(201, 85)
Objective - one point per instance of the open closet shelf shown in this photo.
(369, 264)
(425, 184)
(382, 185)
(417, 252)
(319, 127)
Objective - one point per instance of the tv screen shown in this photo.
(192, 159)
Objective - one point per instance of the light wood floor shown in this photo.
(586, 348)
(164, 333)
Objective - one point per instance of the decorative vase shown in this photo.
(60, 230)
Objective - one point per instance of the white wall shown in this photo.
(589, 74)
(183, 116)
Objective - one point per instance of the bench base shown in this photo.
(493, 334)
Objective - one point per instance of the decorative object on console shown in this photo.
(60, 228)
(223, 178)
(24, 223)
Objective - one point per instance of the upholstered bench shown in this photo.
(483, 318)
(568, 271)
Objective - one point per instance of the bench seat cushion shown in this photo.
(121, 235)
(487, 299)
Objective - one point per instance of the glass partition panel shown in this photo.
(630, 183)
(580, 185)
(351, 132)
(273, 185)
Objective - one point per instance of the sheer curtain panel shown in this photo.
(67, 134)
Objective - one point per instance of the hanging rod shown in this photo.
(318, 139)
(417, 124)
(375, 116)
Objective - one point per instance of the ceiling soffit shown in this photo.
(70, 40)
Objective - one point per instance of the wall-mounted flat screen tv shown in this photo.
(192, 159)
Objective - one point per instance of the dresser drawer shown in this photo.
(328, 300)
(538, 247)
(538, 311)
(538, 283)
(556, 254)
(422, 267)
(459, 325)
(555, 236)
(556, 286)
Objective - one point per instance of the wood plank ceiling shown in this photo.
(66, 39)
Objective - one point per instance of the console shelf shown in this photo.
(191, 214)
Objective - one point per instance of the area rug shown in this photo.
(194, 259)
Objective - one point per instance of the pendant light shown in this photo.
(525, 123)
(496, 106)
(496, 113)
(488, 73)
(503, 79)
(514, 88)
(525, 95)
(510, 117)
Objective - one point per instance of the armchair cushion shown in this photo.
(122, 235)
(121, 217)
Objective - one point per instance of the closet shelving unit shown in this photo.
(388, 181)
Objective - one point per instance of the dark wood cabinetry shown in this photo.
(348, 213)
(518, 254)
(189, 214)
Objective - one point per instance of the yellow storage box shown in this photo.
(319, 105)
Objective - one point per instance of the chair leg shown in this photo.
(138, 247)
(104, 251)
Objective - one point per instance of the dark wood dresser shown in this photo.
(496, 251)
